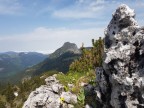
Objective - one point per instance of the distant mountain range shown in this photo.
(15, 66)
(58, 61)
(12, 62)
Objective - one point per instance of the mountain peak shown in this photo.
(68, 43)
(67, 47)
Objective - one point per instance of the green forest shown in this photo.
(81, 69)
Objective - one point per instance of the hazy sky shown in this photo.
(44, 25)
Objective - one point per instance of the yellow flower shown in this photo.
(61, 99)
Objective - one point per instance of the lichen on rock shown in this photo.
(120, 82)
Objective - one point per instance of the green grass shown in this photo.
(76, 78)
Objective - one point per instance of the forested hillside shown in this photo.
(12, 63)
(80, 71)
(59, 60)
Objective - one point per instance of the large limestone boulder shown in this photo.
(120, 82)
(42, 97)
(69, 97)
(51, 95)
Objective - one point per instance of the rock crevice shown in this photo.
(51, 95)
(120, 82)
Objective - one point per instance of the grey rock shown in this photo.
(42, 97)
(69, 97)
(70, 106)
(89, 89)
(70, 86)
(51, 80)
(57, 88)
(87, 106)
(64, 105)
(120, 81)
(49, 96)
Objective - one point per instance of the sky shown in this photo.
(44, 25)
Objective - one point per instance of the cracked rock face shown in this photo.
(51, 95)
(120, 82)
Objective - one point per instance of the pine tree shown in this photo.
(90, 58)
(9, 93)
(2, 104)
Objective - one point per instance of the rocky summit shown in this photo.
(51, 95)
(67, 47)
(120, 82)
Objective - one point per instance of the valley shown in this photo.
(16, 66)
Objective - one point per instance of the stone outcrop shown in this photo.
(120, 82)
(51, 95)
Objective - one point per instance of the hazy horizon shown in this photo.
(43, 52)
(44, 25)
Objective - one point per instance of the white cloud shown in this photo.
(47, 40)
(81, 9)
(9, 6)
(76, 14)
